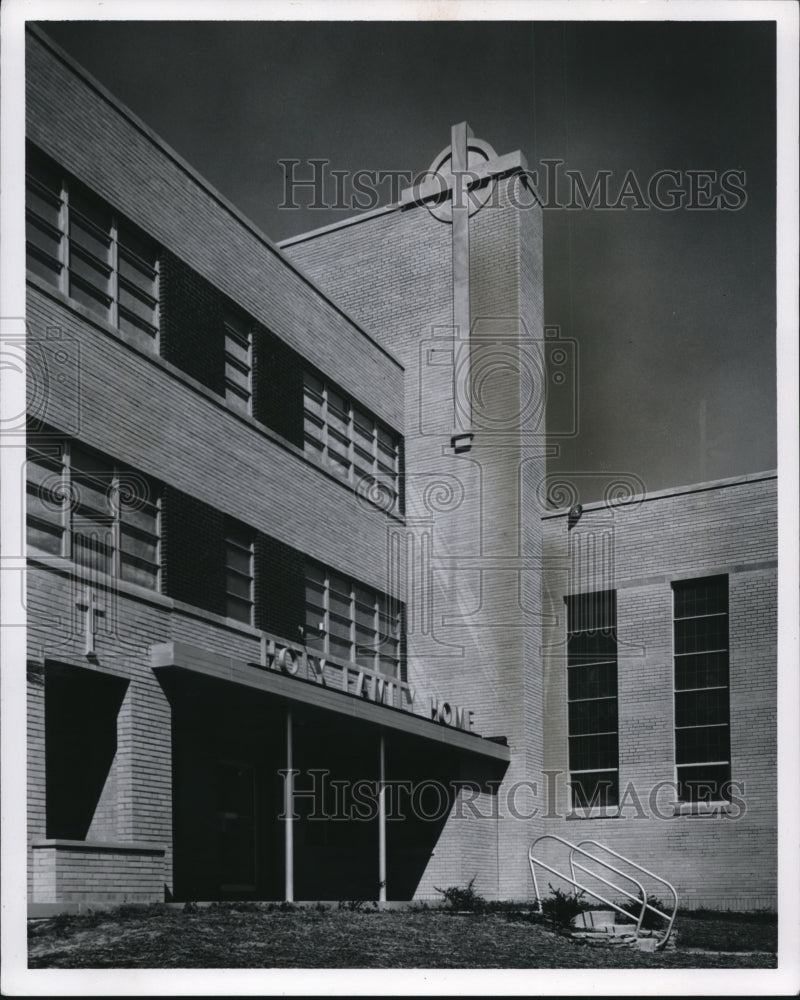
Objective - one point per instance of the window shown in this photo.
(592, 699)
(349, 622)
(349, 441)
(101, 515)
(702, 707)
(239, 573)
(80, 245)
(238, 360)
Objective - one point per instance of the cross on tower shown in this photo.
(462, 182)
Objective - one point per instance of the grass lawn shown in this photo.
(263, 936)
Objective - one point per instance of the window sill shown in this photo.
(192, 611)
(608, 812)
(65, 567)
(702, 808)
(154, 358)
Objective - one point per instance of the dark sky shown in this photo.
(673, 311)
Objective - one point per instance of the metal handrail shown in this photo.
(640, 868)
(532, 861)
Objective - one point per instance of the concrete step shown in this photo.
(594, 919)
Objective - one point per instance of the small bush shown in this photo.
(237, 906)
(463, 897)
(652, 921)
(561, 907)
(284, 907)
(356, 905)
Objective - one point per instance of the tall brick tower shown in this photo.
(458, 268)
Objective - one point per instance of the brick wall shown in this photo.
(136, 408)
(71, 872)
(727, 859)
(472, 532)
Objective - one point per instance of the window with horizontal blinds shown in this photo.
(239, 572)
(102, 515)
(89, 251)
(350, 442)
(702, 697)
(348, 621)
(592, 699)
(238, 333)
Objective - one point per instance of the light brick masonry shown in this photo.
(176, 772)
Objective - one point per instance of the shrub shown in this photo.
(652, 921)
(561, 906)
(463, 897)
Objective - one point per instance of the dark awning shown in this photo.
(181, 656)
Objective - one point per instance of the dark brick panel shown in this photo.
(277, 386)
(191, 323)
(279, 587)
(193, 551)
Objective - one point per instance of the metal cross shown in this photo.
(89, 606)
(459, 158)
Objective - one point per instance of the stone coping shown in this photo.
(100, 846)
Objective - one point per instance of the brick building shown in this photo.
(307, 617)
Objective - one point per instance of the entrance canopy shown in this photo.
(180, 656)
(263, 757)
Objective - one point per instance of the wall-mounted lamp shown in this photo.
(574, 515)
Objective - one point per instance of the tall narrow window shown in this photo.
(78, 243)
(138, 532)
(702, 706)
(351, 622)
(238, 360)
(44, 215)
(46, 484)
(103, 516)
(350, 441)
(90, 251)
(92, 517)
(239, 572)
(592, 699)
(137, 283)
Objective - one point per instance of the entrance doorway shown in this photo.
(227, 750)
(238, 830)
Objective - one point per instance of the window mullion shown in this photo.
(157, 310)
(325, 418)
(158, 540)
(116, 525)
(66, 507)
(351, 454)
(326, 615)
(252, 574)
(352, 622)
(64, 249)
(376, 628)
(113, 280)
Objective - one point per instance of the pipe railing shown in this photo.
(670, 918)
(642, 895)
(575, 866)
